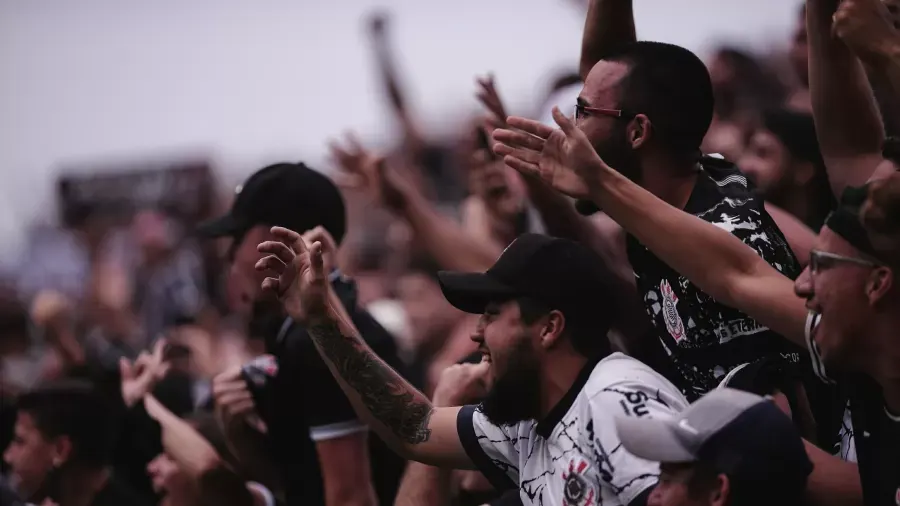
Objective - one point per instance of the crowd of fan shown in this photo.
(674, 286)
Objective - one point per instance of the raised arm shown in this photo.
(395, 189)
(609, 23)
(198, 459)
(717, 262)
(868, 29)
(387, 73)
(848, 124)
(403, 417)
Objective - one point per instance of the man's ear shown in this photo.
(879, 284)
(639, 130)
(62, 450)
(554, 323)
(721, 491)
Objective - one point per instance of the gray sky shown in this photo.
(250, 82)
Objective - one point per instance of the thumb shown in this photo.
(316, 260)
(125, 369)
(482, 368)
(565, 124)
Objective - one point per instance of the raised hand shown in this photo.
(370, 174)
(300, 281)
(864, 25)
(563, 158)
(329, 246)
(139, 378)
(490, 99)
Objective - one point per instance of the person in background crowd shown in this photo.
(730, 448)
(783, 161)
(196, 467)
(62, 448)
(320, 449)
(545, 427)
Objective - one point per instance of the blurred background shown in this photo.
(188, 98)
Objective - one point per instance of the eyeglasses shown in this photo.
(820, 260)
(580, 111)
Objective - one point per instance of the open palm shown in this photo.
(563, 158)
(300, 281)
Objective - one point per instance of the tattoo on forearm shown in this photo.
(389, 398)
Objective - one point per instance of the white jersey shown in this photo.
(574, 457)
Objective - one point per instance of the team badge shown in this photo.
(578, 490)
(670, 312)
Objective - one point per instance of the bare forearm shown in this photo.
(394, 408)
(885, 71)
(424, 485)
(848, 124)
(714, 260)
(833, 481)
(609, 23)
(446, 240)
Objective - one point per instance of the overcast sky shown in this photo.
(253, 81)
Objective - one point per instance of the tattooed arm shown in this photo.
(403, 417)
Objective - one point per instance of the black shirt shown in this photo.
(704, 338)
(876, 433)
(117, 494)
(304, 403)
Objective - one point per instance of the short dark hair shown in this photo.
(704, 476)
(588, 338)
(77, 410)
(671, 85)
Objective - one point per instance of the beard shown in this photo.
(615, 151)
(515, 393)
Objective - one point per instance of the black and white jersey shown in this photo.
(704, 338)
(872, 433)
(574, 457)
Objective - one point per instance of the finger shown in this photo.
(354, 143)
(271, 285)
(163, 370)
(125, 369)
(291, 238)
(241, 408)
(320, 234)
(235, 397)
(564, 122)
(226, 388)
(277, 249)
(523, 167)
(518, 138)
(531, 126)
(349, 181)
(159, 348)
(317, 262)
(270, 263)
(523, 154)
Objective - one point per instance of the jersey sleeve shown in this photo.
(622, 473)
(494, 450)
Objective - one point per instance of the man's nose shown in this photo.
(803, 284)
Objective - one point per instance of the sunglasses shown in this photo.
(581, 111)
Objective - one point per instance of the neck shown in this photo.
(556, 382)
(670, 180)
(886, 369)
(79, 486)
(796, 203)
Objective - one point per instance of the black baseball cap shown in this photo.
(289, 195)
(740, 434)
(558, 273)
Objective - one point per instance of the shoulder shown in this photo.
(622, 384)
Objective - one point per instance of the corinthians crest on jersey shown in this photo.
(573, 457)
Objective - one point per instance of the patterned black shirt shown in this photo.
(704, 338)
